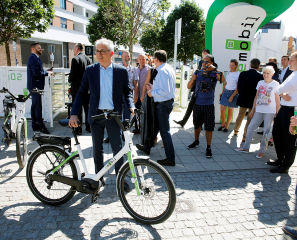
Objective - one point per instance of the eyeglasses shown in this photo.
(102, 52)
(206, 62)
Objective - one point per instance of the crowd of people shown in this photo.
(268, 97)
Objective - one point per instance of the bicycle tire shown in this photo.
(131, 201)
(21, 144)
(44, 160)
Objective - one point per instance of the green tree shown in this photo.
(192, 32)
(150, 36)
(21, 18)
(121, 20)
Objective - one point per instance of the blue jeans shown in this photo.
(163, 110)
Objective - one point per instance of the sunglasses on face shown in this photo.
(206, 62)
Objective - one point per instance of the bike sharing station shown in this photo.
(53, 98)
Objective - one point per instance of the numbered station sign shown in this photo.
(89, 51)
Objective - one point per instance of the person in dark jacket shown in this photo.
(247, 83)
(78, 67)
(36, 79)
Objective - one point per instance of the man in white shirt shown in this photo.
(285, 142)
(285, 72)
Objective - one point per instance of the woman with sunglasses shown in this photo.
(229, 95)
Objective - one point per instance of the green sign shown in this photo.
(232, 44)
(16, 76)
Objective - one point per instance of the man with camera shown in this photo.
(204, 110)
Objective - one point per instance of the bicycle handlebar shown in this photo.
(35, 90)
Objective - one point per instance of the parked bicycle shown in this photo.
(53, 175)
(15, 123)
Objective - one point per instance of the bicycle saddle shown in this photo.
(64, 122)
(8, 96)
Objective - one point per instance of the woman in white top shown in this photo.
(229, 95)
(265, 107)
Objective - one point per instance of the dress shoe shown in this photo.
(279, 170)
(166, 162)
(106, 140)
(44, 130)
(180, 123)
(136, 131)
(126, 187)
(88, 130)
(143, 148)
(36, 128)
(290, 230)
(260, 133)
(276, 163)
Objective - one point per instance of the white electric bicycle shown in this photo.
(53, 175)
(15, 123)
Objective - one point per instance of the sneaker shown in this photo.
(193, 145)
(241, 150)
(208, 153)
(260, 155)
(44, 130)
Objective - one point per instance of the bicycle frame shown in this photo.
(126, 149)
(18, 114)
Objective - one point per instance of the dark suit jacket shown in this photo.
(91, 82)
(287, 74)
(35, 73)
(78, 66)
(247, 83)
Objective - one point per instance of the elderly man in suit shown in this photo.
(107, 83)
(78, 67)
(246, 86)
(36, 79)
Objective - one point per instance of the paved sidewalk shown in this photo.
(231, 196)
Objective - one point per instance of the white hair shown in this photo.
(142, 54)
(108, 43)
(269, 69)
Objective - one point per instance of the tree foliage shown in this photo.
(21, 18)
(121, 21)
(192, 33)
(150, 36)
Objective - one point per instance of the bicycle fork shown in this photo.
(134, 177)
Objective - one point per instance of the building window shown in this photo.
(63, 4)
(63, 22)
(87, 14)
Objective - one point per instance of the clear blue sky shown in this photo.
(289, 17)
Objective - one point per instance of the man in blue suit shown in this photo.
(35, 79)
(107, 83)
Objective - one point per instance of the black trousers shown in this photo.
(36, 111)
(284, 141)
(138, 106)
(114, 134)
(189, 109)
(86, 109)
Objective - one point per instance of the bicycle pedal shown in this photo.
(95, 197)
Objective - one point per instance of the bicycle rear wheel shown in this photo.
(158, 200)
(21, 143)
(43, 161)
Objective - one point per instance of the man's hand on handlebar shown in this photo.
(73, 121)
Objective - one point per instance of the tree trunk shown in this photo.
(131, 52)
(7, 54)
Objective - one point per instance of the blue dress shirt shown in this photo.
(164, 83)
(106, 85)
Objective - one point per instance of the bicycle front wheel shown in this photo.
(158, 198)
(21, 143)
(43, 161)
